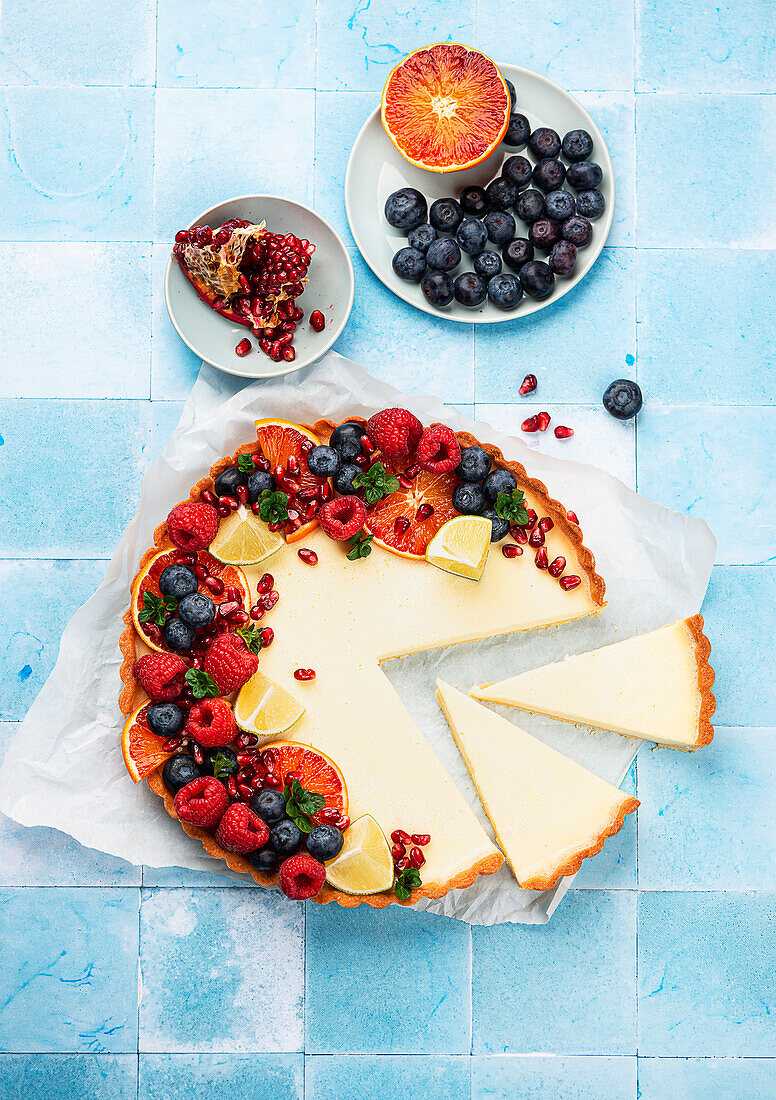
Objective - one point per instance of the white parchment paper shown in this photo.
(65, 770)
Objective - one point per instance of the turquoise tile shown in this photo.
(412, 350)
(83, 42)
(68, 1076)
(707, 1078)
(51, 190)
(682, 46)
(206, 43)
(165, 416)
(739, 610)
(222, 971)
(614, 114)
(338, 118)
(184, 876)
(347, 1077)
(386, 981)
(69, 976)
(575, 347)
(538, 1077)
(614, 868)
(215, 144)
(682, 200)
(229, 1076)
(38, 598)
(359, 45)
(565, 987)
(717, 464)
(706, 974)
(174, 368)
(705, 327)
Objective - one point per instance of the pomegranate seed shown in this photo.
(269, 601)
(309, 557)
(417, 859)
(398, 851)
(275, 526)
(573, 517)
(289, 354)
(197, 662)
(297, 315)
(402, 865)
(293, 466)
(307, 494)
(556, 566)
(546, 524)
(242, 493)
(186, 558)
(543, 420)
(244, 759)
(266, 583)
(412, 472)
(309, 511)
(362, 461)
(291, 776)
(562, 432)
(245, 792)
(536, 538)
(152, 631)
(528, 385)
(317, 320)
(367, 446)
(171, 744)
(245, 347)
(530, 425)
(226, 608)
(421, 838)
(329, 814)
(532, 518)
(567, 583)
(210, 498)
(234, 593)
(182, 236)
(304, 674)
(214, 585)
(239, 618)
(273, 781)
(266, 636)
(231, 503)
(257, 612)
(325, 492)
(265, 345)
(289, 485)
(196, 752)
(231, 786)
(404, 482)
(541, 558)
(511, 550)
(223, 510)
(201, 570)
(400, 526)
(518, 533)
(423, 513)
(398, 836)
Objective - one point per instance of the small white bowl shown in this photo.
(330, 289)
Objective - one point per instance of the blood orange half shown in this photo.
(410, 541)
(280, 439)
(445, 107)
(142, 750)
(316, 772)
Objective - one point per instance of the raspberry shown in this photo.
(160, 675)
(395, 432)
(212, 723)
(301, 877)
(241, 830)
(343, 517)
(192, 526)
(230, 662)
(438, 450)
(202, 802)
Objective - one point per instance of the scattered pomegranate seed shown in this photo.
(421, 838)
(398, 851)
(367, 446)
(182, 236)
(573, 517)
(266, 636)
(214, 585)
(196, 752)
(289, 354)
(530, 425)
(256, 507)
(543, 419)
(242, 493)
(567, 583)
(245, 347)
(511, 550)
(518, 533)
(546, 524)
(304, 674)
(401, 525)
(532, 518)
(536, 538)
(562, 432)
(412, 472)
(210, 498)
(239, 618)
(417, 859)
(269, 601)
(223, 510)
(232, 503)
(423, 513)
(309, 557)
(398, 836)
(402, 865)
(266, 583)
(273, 781)
(556, 566)
(528, 385)
(201, 570)
(226, 608)
(257, 612)
(171, 744)
(541, 558)
(317, 320)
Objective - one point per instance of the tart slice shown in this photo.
(656, 686)
(548, 812)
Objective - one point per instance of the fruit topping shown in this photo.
(220, 762)
(499, 525)
(438, 450)
(461, 545)
(468, 499)
(230, 662)
(285, 446)
(240, 830)
(160, 675)
(622, 398)
(364, 864)
(424, 502)
(314, 775)
(474, 464)
(301, 877)
(143, 750)
(395, 432)
(197, 610)
(177, 581)
(325, 842)
(164, 719)
(180, 770)
(342, 517)
(192, 526)
(202, 802)
(178, 636)
(211, 723)
(245, 539)
(269, 805)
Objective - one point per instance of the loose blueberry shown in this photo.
(512, 92)
(501, 193)
(537, 279)
(164, 719)
(544, 233)
(560, 205)
(264, 859)
(577, 145)
(487, 264)
(177, 635)
(437, 288)
(468, 498)
(422, 237)
(443, 255)
(530, 206)
(504, 291)
(518, 170)
(590, 204)
(409, 264)
(518, 131)
(474, 464)
(563, 258)
(197, 610)
(499, 481)
(623, 399)
(227, 481)
(473, 201)
(324, 842)
(472, 236)
(470, 289)
(178, 771)
(323, 461)
(445, 215)
(177, 581)
(544, 142)
(548, 175)
(584, 175)
(343, 479)
(346, 440)
(220, 762)
(285, 837)
(577, 230)
(500, 527)
(269, 805)
(518, 252)
(406, 208)
(258, 482)
(500, 226)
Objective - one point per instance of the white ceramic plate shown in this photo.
(330, 289)
(376, 169)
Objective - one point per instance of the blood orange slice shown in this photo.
(142, 750)
(410, 537)
(148, 581)
(280, 439)
(316, 772)
(445, 107)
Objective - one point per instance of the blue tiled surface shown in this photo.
(121, 122)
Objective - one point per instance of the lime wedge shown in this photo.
(365, 864)
(265, 709)
(461, 546)
(244, 539)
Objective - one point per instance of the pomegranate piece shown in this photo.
(541, 558)
(528, 385)
(556, 567)
(530, 425)
(317, 321)
(572, 516)
(562, 432)
(245, 347)
(567, 583)
(543, 420)
(511, 550)
(309, 557)
(304, 674)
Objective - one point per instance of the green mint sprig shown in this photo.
(360, 546)
(302, 804)
(512, 508)
(273, 507)
(222, 766)
(406, 882)
(376, 483)
(246, 464)
(202, 684)
(252, 638)
(155, 608)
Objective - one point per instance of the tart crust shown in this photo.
(705, 682)
(131, 695)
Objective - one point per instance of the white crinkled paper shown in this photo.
(656, 564)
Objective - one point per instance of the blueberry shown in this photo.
(500, 527)
(577, 230)
(323, 461)
(504, 291)
(544, 142)
(269, 805)
(443, 255)
(584, 175)
(487, 264)
(178, 771)
(468, 498)
(406, 208)
(472, 236)
(285, 837)
(343, 479)
(473, 201)
(500, 226)
(470, 289)
(227, 481)
(324, 842)
(512, 92)
(518, 132)
(530, 206)
(177, 635)
(346, 440)
(563, 258)
(264, 859)
(422, 237)
(445, 215)
(164, 719)
(258, 482)
(437, 288)
(537, 280)
(474, 464)
(409, 264)
(501, 193)
(590, 204)
(499, 481)
(220, 762)
(560, 205)
(197, 610)
(518, 252)
(544, 233)
(549, 174)
(577, 145)
(623, 399)
(177, 581)
(518, 170)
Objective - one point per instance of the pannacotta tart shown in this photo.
(292, 645)
(656, 687)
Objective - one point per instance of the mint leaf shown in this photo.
(401, 891)
(246, 464)
(360, 546)
(512, 508)
(252, 638)
(301, 804)
(202, 684)
(376, 483)
(408, 880)
(273, 507)
(222, 766)
(155, 608)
